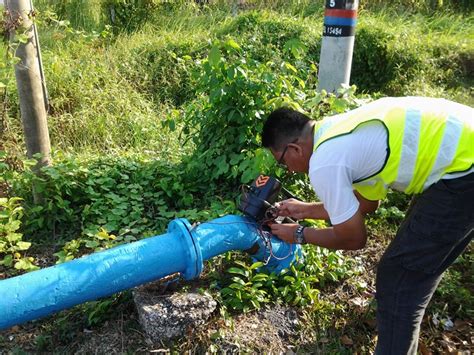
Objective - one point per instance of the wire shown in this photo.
(268, 238)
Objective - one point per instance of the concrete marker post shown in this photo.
(340, 18)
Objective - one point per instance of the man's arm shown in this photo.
(315, 210)
(366, 206)
(302, 210)
(349, 235)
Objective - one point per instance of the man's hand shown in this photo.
(284, 231)
(294, 208)
(349, 235)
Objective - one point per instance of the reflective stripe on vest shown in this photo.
(447, 149)
(427, 138)
(411, 137)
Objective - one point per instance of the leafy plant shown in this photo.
(90, 243)
(236, 91)
(12, 246)
(246, 287)
(92, 204)
(246, 291)
(129, 15)
(297, 287)
(454, 295)
(392, 210)
(99, 311)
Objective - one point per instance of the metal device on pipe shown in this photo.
(183, 249)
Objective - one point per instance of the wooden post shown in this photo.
(30, 83)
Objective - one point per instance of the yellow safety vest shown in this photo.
(426, 138)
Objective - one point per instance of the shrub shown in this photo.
(236, 92)
(128, 15)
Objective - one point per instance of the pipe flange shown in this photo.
(195, 264)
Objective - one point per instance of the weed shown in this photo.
(12, 247)
(43, 342)
(454, 295)
(245, 287)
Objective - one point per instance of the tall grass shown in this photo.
(429, 55)
(94, 14)
(83, 14)
(118, 92)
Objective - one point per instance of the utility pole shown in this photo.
(337, 45)
(30, 82)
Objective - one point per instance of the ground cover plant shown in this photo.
(154, 114)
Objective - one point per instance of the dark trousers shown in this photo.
(438, 227)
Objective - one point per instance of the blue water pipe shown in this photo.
(183, 249)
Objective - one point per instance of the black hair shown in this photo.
(283, 126)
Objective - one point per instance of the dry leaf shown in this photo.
(346, 340)
(449, 338)
(450, 349)
(424, 349)
(371, 323)
(359, 301)
(461, 325)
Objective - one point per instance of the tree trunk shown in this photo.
(30, 84)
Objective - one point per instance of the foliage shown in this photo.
(419, 59)
(267, 35)
(7, 24)
(90, 242)
(98, 202)
(77, 324)
(129, 15)
(427, 6)
(12, 247)
(14, 35)
(392, 209)
(454, 296)
(99, 311)
(81, 87)
(246, 292)
(120, 92)
(246, 287)
(161, 70)
(236, 93)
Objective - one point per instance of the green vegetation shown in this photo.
(154, 113)
(11, 244)
(243, 287)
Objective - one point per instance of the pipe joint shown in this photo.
(194, 264)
